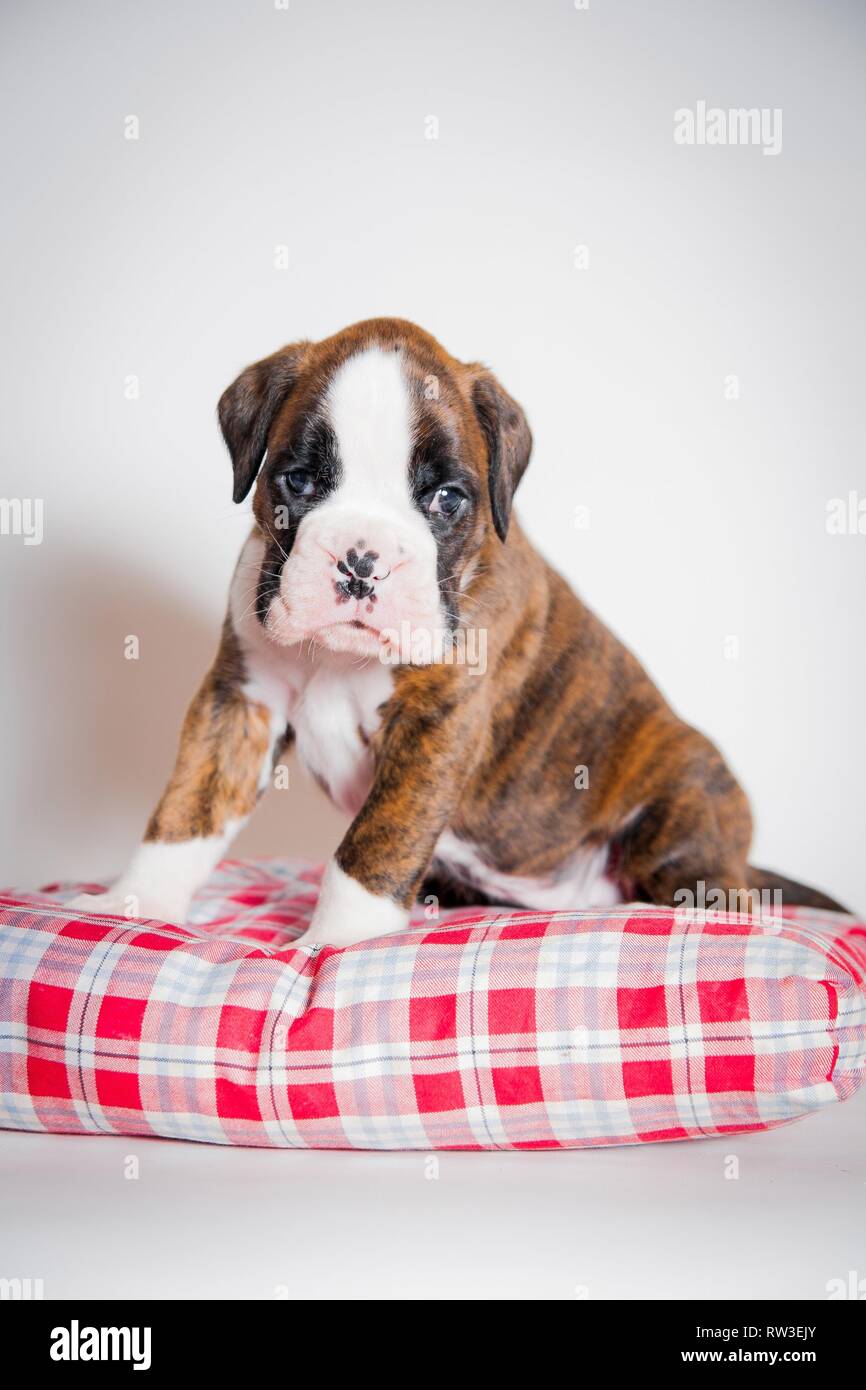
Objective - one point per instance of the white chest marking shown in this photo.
(579, 884)
(334, 719)
(330, 699)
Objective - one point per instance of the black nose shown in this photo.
(354, 588)
(357, 569)
(361, 565)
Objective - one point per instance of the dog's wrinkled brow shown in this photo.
(435, 460)
(312, 444)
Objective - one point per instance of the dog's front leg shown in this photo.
(227, 748)
(426, 757)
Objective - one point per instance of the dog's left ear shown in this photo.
(247, 408)
(509, 444)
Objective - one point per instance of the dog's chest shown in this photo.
(335, 716)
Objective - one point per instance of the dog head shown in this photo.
(383, 467)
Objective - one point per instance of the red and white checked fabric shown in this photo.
(480, 1030)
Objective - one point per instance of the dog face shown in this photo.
(384, 468)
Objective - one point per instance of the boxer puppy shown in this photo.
(384, 474)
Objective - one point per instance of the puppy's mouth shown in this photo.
(349, 636)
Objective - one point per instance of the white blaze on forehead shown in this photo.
(370, 410)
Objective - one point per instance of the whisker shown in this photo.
(276, 542)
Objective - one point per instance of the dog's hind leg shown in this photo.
(689, 842)
(690, 848)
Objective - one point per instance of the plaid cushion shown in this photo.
(480, 1030)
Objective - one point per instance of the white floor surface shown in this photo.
(657, 1221)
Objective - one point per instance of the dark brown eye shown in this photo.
(446, 501)
(300, 481)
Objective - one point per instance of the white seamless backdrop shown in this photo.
(691, 516)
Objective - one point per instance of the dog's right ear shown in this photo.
(247, 408)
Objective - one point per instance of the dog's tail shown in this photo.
(794, 894)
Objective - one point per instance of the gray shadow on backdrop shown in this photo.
(90, 735)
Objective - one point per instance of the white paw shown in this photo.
(119, 902)
(347, 913)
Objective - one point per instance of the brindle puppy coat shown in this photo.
(384, 473)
